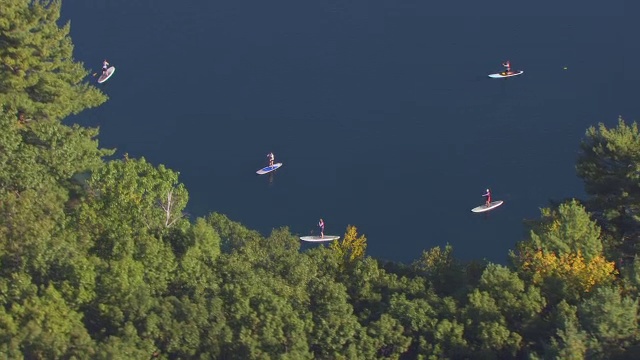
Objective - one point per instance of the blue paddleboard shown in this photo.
(268, 169)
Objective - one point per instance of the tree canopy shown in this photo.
(100, 261)
(39, 78)
(609, 164)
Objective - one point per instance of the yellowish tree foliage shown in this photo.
(578, 274)
(352, 247)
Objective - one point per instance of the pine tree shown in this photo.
(567, 229)
(38, 77)
(609, 164)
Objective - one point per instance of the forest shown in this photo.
(99, 261)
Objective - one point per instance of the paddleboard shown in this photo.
(319, 239)
(104, 77)
(505, 75)
(483, 208)
(268, 169)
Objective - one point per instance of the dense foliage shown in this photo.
(39, 77)
(98, 260)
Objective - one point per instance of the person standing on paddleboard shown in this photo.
(507, 65)
(271, 158)
(105, 66)
(321, 226)
(488, 195)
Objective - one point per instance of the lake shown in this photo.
(381, 111)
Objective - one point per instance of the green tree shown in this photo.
(567, 229)
(176, 326)
(611, 317)
(631, 277)
(128, 216)
(500, 312)
(449, 340)
(430, 322)
(368, 288)
(130, 197)
(63, 151)
(47, 156)
(262, 319)
(233, 235)
(486, 330)
(35, 240)
(126, 346)
(333, 334)
(570, 341)
(387, 339)
(196, 270)
(28, 225)
(39, 78)
(37, 165)
(520, 303)
(443, 271)
(38, 324)
(609, 164)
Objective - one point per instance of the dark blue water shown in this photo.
(381, 111)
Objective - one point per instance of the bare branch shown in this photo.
(167, 208)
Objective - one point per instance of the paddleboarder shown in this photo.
(488, 195)
(507, 65)
(105, 66)
(271, 158)
(321, 226)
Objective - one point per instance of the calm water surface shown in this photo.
(381, 111)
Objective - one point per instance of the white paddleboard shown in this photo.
(104, 77)
(268, 169)
(319, 239)
(483, 208)
(505, 75)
